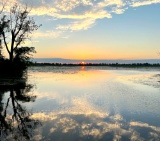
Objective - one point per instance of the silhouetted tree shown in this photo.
(16, 28)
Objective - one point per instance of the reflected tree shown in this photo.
(15, 120)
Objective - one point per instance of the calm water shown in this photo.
(84, 104)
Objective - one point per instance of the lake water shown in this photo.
(85, 104)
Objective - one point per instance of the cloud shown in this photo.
(146, 2)
(85, 13)
(100, 14)
(105, 3)
(87, 18)
(7, 4)
(79, 14)
(47, 34)
(43, 11)
(66, 5)
(78, 25)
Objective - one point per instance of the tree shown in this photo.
(15, 29)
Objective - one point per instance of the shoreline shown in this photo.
(133, 65)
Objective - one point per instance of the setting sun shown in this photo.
(82, 63)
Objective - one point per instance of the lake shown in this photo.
(83, 104)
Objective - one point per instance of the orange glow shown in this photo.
(87, 52)
(83, 78)
(83, 68)
(82, 63)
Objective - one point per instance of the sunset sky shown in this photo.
(95, 29)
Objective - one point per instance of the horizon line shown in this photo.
(99, 59)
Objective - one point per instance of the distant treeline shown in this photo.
(99, 64)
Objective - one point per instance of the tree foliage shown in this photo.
(23, 56)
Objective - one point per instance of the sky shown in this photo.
(95, 29)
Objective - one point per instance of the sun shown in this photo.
(82, 63)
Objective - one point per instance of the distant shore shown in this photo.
(98, 64)
(100, 61)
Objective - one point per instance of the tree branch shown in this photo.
(6, 107)
(4, 38)
(20, 40)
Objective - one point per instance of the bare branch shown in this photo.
(6, 107)
(4, 38)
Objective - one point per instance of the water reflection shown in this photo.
(95, 105)
(93, 127)
(15, 120)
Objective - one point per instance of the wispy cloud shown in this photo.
(78, 25)
(43, 10)
(47, 34)
(145, 2)
(89, 14)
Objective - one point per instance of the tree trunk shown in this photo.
(11, 57)
(12, 47)
(0, 48)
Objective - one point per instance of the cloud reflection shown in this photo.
(91, 126)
